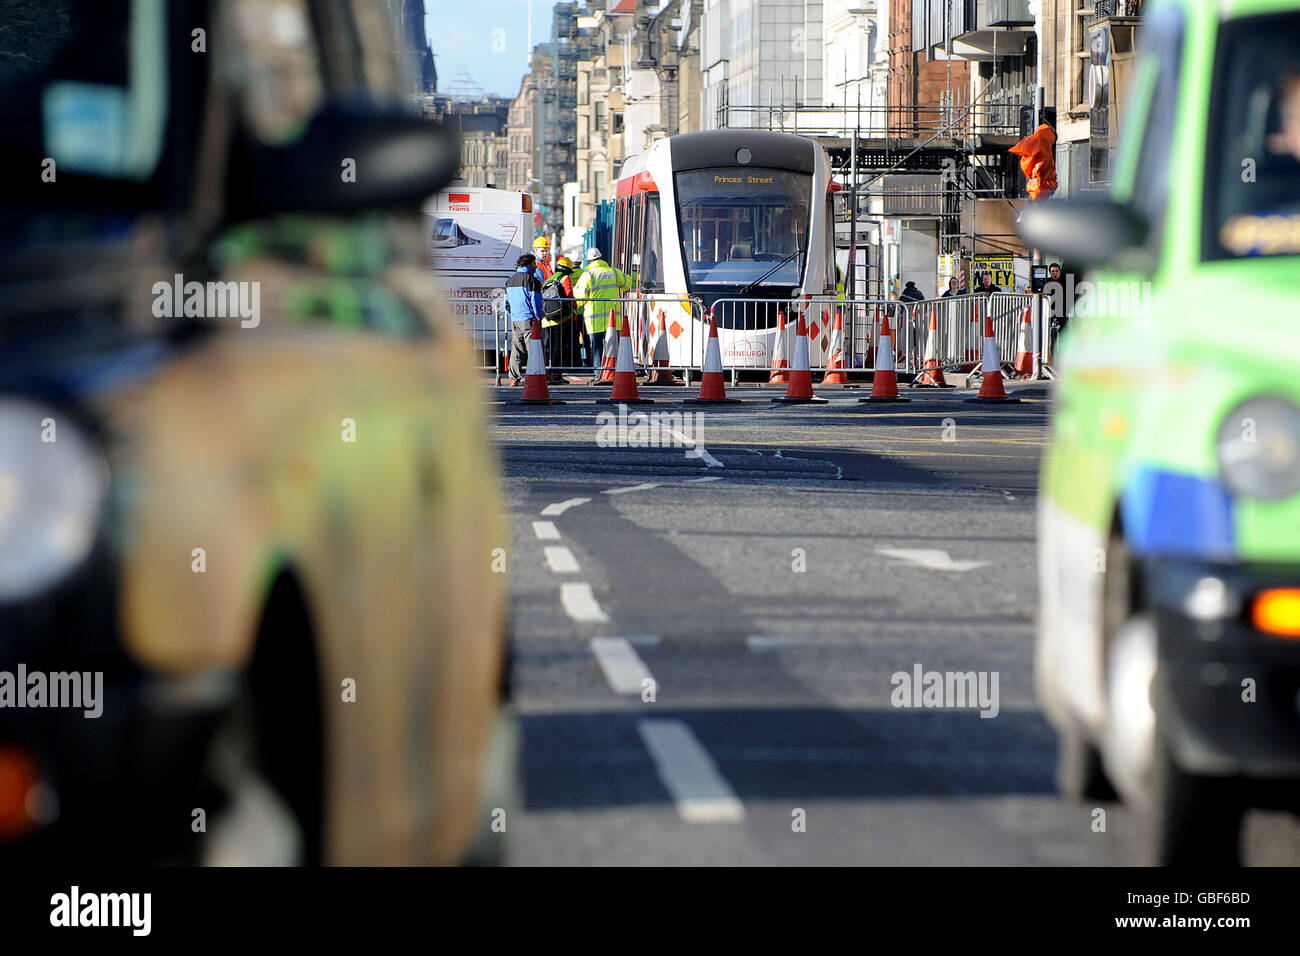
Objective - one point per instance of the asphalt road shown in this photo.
(768, 590)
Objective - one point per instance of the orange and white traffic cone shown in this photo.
(624, 392)
(835, 368)
(932, 372)
(1024, 366)
(799, 390)
(660, 373)
(991, 388)
(780, 364)
(884, 379)
(535, 390)
(609, 353)
(712, 390)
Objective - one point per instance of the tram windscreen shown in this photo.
(740, 223)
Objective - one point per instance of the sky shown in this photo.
(488, 39)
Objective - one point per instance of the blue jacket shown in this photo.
(524, 296)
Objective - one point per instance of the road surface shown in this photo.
(708, 643)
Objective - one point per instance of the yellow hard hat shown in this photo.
(564, 261)
(541, 242)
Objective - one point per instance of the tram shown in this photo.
(737, 221)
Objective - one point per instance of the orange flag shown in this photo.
(1035, 152)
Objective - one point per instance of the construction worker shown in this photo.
(542, 253)
(559, 330)
(523, 304)
(600, 290)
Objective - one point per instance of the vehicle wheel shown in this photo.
(1193, 820)
(1079, 773)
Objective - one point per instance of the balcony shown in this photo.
(1122, 10)
(977, 29)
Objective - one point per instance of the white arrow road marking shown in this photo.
(623, 491)
(561, 560)
(931, 559)
(689, 773)
(579, 603)
(699, 451)
(546, 530)
(623, 667)
(560, 507)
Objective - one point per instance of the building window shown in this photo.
(618, 122)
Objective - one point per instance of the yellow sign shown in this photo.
(1002, 267)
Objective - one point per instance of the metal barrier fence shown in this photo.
(663, 328)
(674, 330)
(748, 329)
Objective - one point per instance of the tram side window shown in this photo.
(652, 279)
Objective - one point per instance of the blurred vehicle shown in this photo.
(475, 256)
(1168, 652)
(244, 472)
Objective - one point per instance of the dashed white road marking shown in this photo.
(579, 603)
(561, 560)
(699, 451)
(689, 773)
(560, 507)
(621, 664)
(691, 481)
(546, 530)
(623, 491)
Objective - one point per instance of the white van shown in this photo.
(475, 236)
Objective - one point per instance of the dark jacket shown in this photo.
(524, 296)
(912, 294)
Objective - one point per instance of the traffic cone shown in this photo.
(1024, 366)
(932, 373)
(660, 373)
(991, 389)
(535, 390)
(780, 364)
(884, 380)
(835, 373)
(609, 354)
(624, 392)
(712, 391)
(799, 391)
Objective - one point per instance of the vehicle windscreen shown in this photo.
(442, 229)
(1252, 205)
(739, 223)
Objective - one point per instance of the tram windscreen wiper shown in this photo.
(794, 255)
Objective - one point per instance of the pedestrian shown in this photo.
(523, 304)
(600, 290)
(542, 253)
(911, 293)
(952, 290)
(559, 330)
(1055, 294)
(987, 287)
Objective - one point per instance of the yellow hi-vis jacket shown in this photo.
(602, 286)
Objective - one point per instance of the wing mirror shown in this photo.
(1089, 233)
(349, 158)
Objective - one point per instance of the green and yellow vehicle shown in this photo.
(1168, 652)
